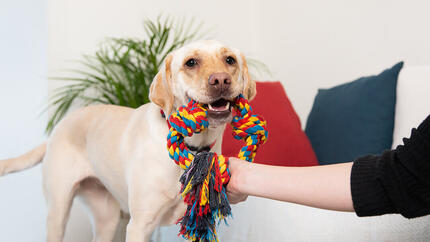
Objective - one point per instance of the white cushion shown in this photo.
(413, 101)
(260, 219)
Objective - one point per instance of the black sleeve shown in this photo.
(398, 181)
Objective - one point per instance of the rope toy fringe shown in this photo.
(206, 174)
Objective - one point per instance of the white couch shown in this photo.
(260, 220)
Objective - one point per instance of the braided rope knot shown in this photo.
(249, 127)
(206, 173)
(186, 121)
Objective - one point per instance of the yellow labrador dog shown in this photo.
(115, 158)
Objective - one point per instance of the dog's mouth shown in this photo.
(220, 105)
(219, 109)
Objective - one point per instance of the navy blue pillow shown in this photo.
(355, 118)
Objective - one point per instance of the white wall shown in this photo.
(307, 45)
(23, 90)
(316, 44)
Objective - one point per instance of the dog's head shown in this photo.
(207, 72)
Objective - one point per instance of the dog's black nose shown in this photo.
(220, 80)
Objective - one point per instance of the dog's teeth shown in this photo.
(226, 107)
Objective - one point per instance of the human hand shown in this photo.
(237, 169)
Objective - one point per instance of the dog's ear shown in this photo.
(160, 91)
(250, 89)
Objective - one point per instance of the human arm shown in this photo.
(318, 186)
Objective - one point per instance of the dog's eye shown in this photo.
(230, 60)
(191, 62)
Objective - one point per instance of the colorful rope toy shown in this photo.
(206, 174)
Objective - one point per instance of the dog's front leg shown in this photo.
(147, 206)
